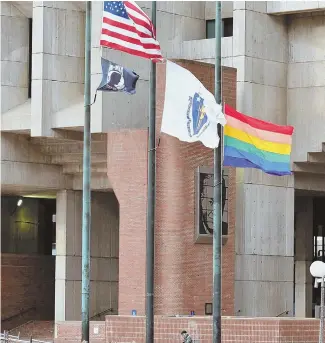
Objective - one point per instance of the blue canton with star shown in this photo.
(116, 7)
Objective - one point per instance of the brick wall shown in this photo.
(183, 269)
(129, 329)
(127, 172)
(27, 283)
(183, 274)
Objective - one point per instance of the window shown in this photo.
(227, 28)
(30, 28)
(210, 29)
(204, 204)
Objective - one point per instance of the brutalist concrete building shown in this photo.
(274, 69)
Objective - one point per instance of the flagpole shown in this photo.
(217, 192)
(150, 242)
(86, 192)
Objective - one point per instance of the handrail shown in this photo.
(18, 314)
(101, 313)
(19, 326)
(6, 338)
(284, 312)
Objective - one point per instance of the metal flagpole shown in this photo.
(86, 193)
(217, 192)
(150, 242)
(321, 328)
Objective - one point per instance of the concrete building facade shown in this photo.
(274, 70)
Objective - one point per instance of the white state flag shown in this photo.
(190, 111)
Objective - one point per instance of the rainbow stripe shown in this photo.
(253, 143)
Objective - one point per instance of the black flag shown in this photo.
(117, 78)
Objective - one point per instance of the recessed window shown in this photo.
(210, 29)
(204, 204)
(208, 309)
(227, 28)
(30, 51)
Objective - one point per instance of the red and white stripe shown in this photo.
(135, 36)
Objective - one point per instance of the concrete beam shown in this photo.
(77, 168)
(316, 157)
(77, 158)
(35, 175)
(25, 7)
(73, 148)
(304, 182)
(307, 167)
(98, 182)
(67, 136)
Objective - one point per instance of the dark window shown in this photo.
(227, 28)
(204, 204)
(30, 27)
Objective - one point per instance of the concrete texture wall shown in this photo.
(14, 56)
(176, 22)
(27, 287)
(176, 252)
(58, 62)
(283, 7)
(226, 9)
(104, 255)
(304, 224)
(58, 65)
(306, 86)
(265, 204)
(25, 168)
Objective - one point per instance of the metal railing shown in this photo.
(286, 312)
(5, 337)
(19, 314)
(101, 313)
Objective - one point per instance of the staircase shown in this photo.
(38, 330)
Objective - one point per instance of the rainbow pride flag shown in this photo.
(253, 143)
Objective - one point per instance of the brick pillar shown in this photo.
(127, 172)
(183, 275)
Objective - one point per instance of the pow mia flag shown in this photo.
(117, 78)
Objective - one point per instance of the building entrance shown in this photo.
(318, 244)
(27, 262)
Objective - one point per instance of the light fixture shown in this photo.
(19, 202)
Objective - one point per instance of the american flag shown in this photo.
(127, 28)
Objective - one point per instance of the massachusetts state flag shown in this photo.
(127, 28)
(191, 112)
(117, 78)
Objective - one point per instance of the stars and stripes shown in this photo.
(127, 28)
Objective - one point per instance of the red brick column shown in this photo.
(183, 275)
(127, 171)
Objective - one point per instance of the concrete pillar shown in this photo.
(303, 256)
(265, 204)
(104, 255)
(264, 248)
(58, 63)
(14, 56)
(306, 38)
